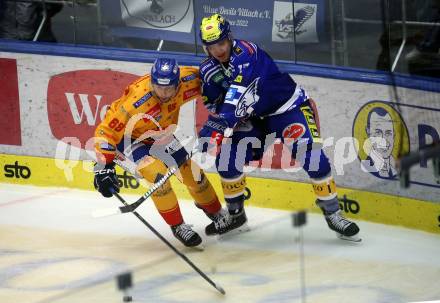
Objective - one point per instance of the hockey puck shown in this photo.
(127, 298)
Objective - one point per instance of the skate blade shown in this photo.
(354, 238)
(198, 248)
(239, 230)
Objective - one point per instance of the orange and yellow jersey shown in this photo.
(135, 108)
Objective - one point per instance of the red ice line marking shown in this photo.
(33, 197)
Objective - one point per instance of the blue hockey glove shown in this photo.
(215, 129)
(106, 181)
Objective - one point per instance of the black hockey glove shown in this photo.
(106, 181)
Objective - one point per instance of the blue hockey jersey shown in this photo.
(251, 84)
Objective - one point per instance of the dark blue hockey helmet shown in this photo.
(165, 71)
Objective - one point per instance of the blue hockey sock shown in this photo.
(328, 206)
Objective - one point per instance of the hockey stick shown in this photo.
(131, 207)
(185, 258)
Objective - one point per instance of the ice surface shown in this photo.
(53, 250)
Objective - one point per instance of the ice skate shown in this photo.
(344, 228)
(186, 235)
(223, 223)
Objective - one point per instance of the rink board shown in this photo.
(267, 193)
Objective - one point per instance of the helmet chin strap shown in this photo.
(205, 49)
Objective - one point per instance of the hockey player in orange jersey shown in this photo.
(138, 125)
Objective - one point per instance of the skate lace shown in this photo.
(222, 221)
(185, 231)
(338, 221)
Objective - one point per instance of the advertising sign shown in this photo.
(10, 129)
(271, 23)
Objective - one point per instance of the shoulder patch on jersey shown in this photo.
(189, 77)
(237, 50)
(142, 100)
(248, 46)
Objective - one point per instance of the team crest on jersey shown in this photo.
(247, 99)
(142, 100)
(189, 77)
(294, 131)
(172, 107)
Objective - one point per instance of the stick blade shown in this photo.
(220, 289)
(106, 212)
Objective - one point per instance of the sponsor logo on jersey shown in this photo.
(231, 94)
(311, 123)
(294, 131)
(238, 51)
(78, 100)
(142, 100)
(17, 171)
(191, 93)
(154, 112)
(189, 77)
(238, 79)
(218, 77)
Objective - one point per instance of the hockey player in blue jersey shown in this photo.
(248, 96)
